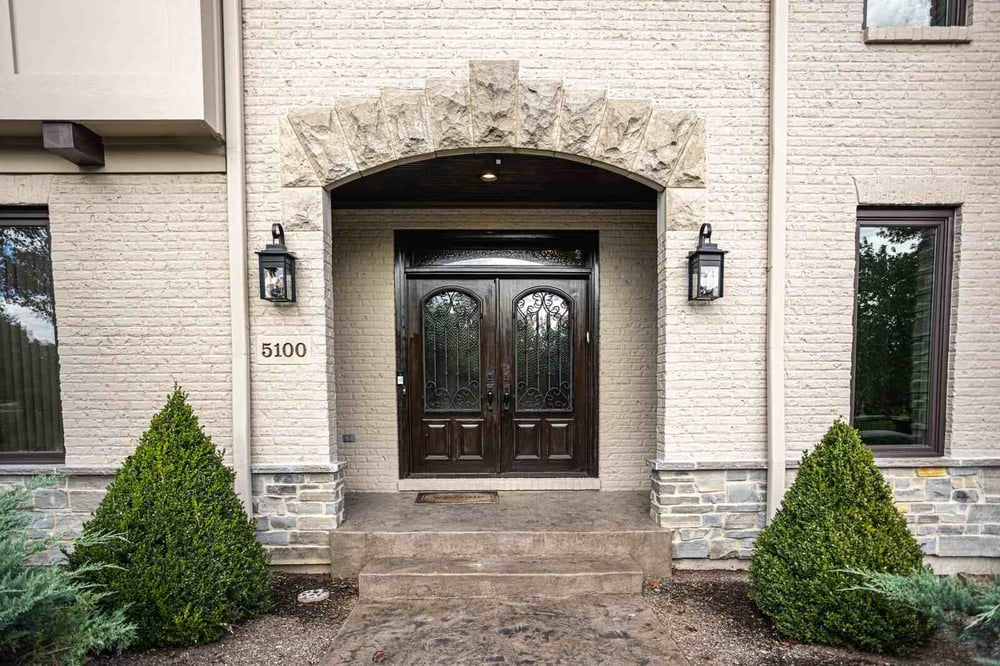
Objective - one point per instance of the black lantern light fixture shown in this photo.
(706, 268)
(277, 269)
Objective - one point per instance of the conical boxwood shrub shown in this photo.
(839, 514)
(188, 565)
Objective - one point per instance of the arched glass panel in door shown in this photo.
(543, 352)
(451, 324)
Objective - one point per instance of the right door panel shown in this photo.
(544, 375)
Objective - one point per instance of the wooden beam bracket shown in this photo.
(73, 142)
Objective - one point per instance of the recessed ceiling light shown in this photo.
(488, 177)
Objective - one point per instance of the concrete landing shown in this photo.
(612, 526)
(517, 511)
(412, 578)
(583, 630)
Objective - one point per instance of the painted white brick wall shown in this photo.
(365, 336)
(860, 114)
(293, 419)
(710, 56)
(140, 267)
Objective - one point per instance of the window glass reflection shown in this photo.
(895, 299)
(30, 409)
(907, 12)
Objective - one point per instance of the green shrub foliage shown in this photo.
(970, 607)
(838, 515)
(48, 614)
(190, 566)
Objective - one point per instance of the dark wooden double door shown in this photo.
(499, 374)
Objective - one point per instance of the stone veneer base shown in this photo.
(294, 506)
(953, 508)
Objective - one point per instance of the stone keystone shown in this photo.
(494, 101)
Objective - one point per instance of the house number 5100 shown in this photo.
(285, 349)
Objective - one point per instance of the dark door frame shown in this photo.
(406, 241)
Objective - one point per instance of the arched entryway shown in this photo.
(565, 161)
(509, 361)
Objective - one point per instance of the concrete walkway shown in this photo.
(582, 630)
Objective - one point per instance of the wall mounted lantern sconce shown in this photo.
(277, 269)
(706, 268)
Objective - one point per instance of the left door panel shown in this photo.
(451, 338)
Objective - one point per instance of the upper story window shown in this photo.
(30, 407)
(915, 13)
(901, 329)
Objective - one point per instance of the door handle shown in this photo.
(506, 399)
(489, 397)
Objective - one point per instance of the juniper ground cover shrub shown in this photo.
(970, 607)
(48, 614)
(190, 565)
(838, 515)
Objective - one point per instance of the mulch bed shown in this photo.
(290, 633)
(715, 623)
(708, 613)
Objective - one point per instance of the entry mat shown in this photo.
(458, 498)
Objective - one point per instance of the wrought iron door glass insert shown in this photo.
(543, 352)
(451, 352)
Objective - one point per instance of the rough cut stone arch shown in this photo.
(492, 110)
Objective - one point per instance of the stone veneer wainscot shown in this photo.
(294, 506)
(717, 509)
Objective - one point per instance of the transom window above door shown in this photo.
(498, 256)
(430, 251)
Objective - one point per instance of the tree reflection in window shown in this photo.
(451, 352)
(894, 319)
(543, 352)
(30, 405)
(915, 13)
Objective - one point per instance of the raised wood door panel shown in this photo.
(545, 374)
(451, 350)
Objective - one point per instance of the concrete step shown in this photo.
(649, 549)
(417, 578)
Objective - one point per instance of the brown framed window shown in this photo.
(915, 13)
(901, 317)
(31, 428)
